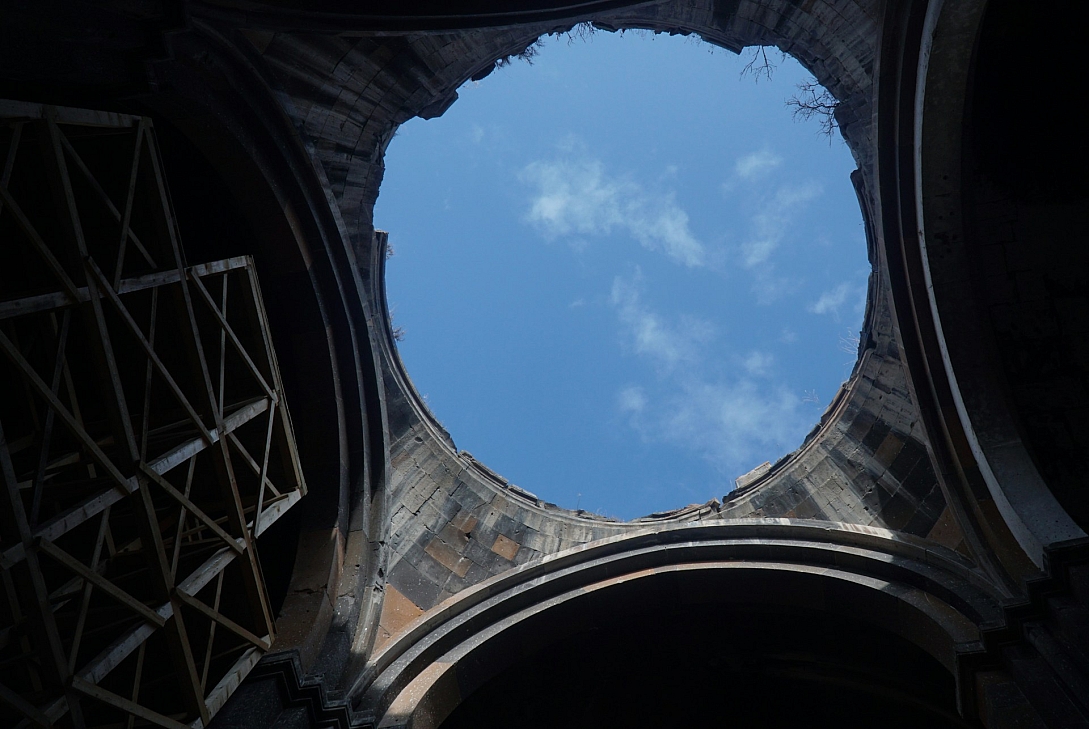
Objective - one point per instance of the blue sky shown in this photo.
(626, 275)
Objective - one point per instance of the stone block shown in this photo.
(448, 556)
(413, 584)
(505, 547)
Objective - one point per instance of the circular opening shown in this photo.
(622, 274)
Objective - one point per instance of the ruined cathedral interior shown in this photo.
(225, 504)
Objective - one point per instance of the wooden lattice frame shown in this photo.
(144, 439)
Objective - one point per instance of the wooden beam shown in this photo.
(259, 643)
(190, 506)
(218, 696)
(13, 110)
(135, 330)
(101, 582)
(77, 634)
(77, 430)
(252, 578)
(136, 681)
(108, 697)
(199, 578)
(58, 299)
(253, 466)
(47, 427)
(28, 580)
(23, 706)
(176, 556)
(275, 510)
(284, 436)
(264, 466)
(102, 348)
(222, 345)
(188, 449)
(9, 161)
(149, 370)
(126, 231)
(39, 245)
(211, 634)
(121, 648)
(233, 337)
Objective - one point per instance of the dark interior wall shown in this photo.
(716, 665)
(1028, 215)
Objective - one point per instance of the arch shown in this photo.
(712, 664)
(892, 584)
(960, 378)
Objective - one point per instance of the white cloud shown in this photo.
(649, 333)
(755, 252)
(768, 288)
(727, 421)
(667, 344)
(729, 424)
(758, 364)
(632, 400)
(756, 164)
(578, 197)
(831, 301)
(770, 224)
(574, 197)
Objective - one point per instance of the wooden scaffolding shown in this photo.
(145, 442)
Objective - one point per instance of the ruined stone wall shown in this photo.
(453, 523)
